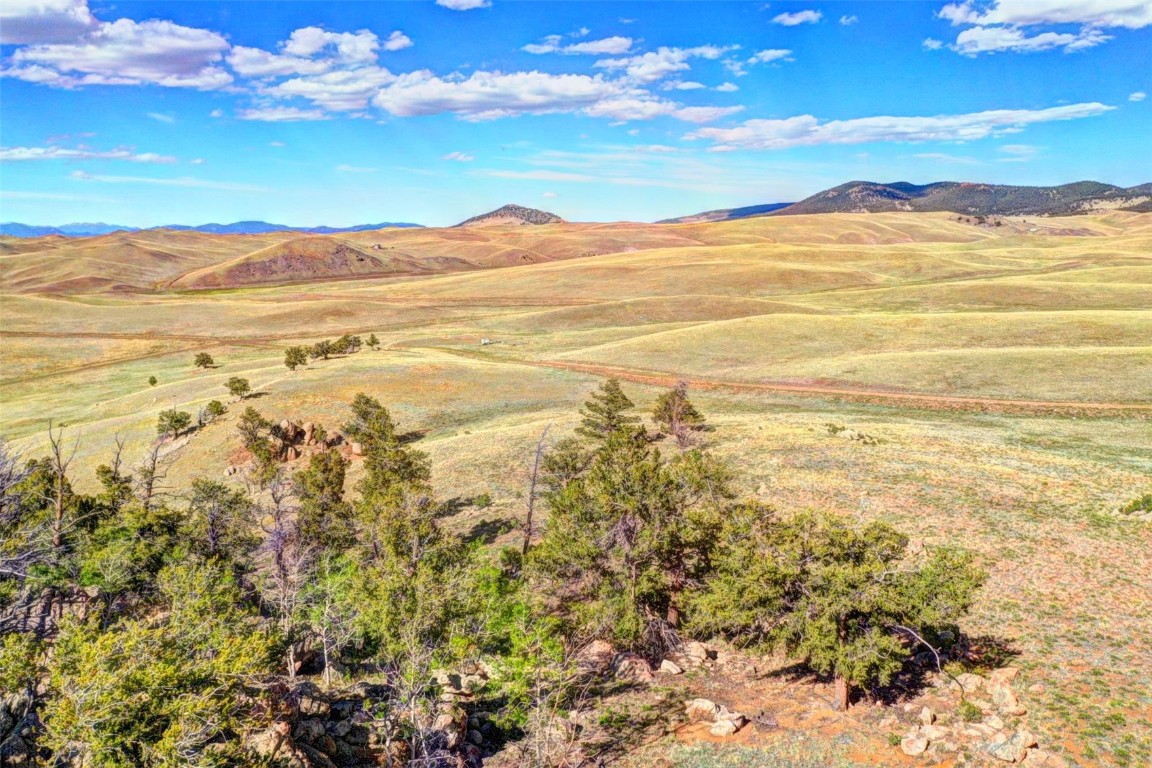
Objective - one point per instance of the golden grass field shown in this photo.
(1006, 371)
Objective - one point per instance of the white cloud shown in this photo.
(126, 52)
(281, 115)
(489, 95)
(806, 130)
(184, 181)
(977, 40)
(848, 20)
(631, 107)
(1137, 96)
(216, 113)
(727, 87)
(735, 66)
(656, 65)
(800, 17)
(256, 62)
(656, 148)
(609, 46)
(684, 85)
(460, 157)
(18, 154)
(998, 25)
(161, 117)
(277, 144)
(347, 47)
(44, 21)
(463, 5)
(1132, 14)
(397, 41)
(704, 114)
(769, 55)
(197, 161)
(931, 44)
(344, 168)
(341, 90)
(549, 195)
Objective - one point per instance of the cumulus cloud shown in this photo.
(977, 40)
(21, 154)
(999, 25)
(127, 52)
(798, 18)
(704, 114)
(44, 21)
(684, 85)
(397, 41)
(931, 44)
(459, 157)
(341, 90)
(806, 130)
(772, 54)
(656, 65)
(609, 46)
(281, 115)
(256, 62)
(1132, 14)
(488, 95)
(1137, 96)
(463, 5)
(727, 87)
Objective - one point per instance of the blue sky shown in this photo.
(146, 113)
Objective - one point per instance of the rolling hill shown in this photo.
(16, 229)
(972, 199)
(516, 215)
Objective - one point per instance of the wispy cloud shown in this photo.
(943, 157)
(1018, 153)
(20, 154)
(798, 18)
(161, 117)
(460, 157)
(184, 181)
(608, 46)
(848, 20)
(464, 5)
(806, 130)
(281, 114)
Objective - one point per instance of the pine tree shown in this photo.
(606, 412)
(324, 518)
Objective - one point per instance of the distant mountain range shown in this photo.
(512, 214)
(14, 229)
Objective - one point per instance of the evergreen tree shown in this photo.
(373, 342)
(173, 422)
(294, 357)
(838, 595)
(238, 387)
(220, 522)
(203, 360)
(675, 414)
(324, 518)
(252, 427)
(606, 412)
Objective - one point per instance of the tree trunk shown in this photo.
(673, 614)
(842, 691)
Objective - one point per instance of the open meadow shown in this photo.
(1001, 375)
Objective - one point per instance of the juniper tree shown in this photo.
(294, 357)
(172, 422)
(676, 415)
(238, 387)
(252, 427)
(215, 409)
(842, 597)
(220, 522)
(372, 342)
(629, 535)
(203, 360)
(324, 518)
(606, 412)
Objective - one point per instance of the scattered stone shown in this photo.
(702, 711)
(927, 716)
(934, 733)
(723, 728)
(913, 744)
(994, 722)
(1005, 675)
(1036, 688)
(698, 652)
(969, 682)
(669, 667)
(1005, 698)
(733, 717)
(357, 449)
(1038, 758)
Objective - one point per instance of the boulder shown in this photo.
(276, 744)
(969, 682)
(1004, 698)
(669, 667)
(913, 744)
(357, 449)
(732, 717)
(723, 728)
(934, 733)
(701, 711)
(1005, 675)
(596, 657)
(309, 700)
(629, 666)
(927, 716)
